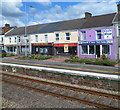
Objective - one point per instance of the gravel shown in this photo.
(17, 97)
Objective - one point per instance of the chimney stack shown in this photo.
(88, 15)
(7, 25)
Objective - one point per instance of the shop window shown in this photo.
(91, 49)
(84, 49)
(36, 38)
(41, 50)
(67, 36)
(106, 49)
(57, 36)
(45, 50)
(118, 30)
(99, 35)
(14, 49)
(83, 37)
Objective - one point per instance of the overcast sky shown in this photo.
(14, 13)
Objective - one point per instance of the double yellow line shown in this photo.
(63, 67)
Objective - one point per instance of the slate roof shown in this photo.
(83, 23)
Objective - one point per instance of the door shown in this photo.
(98, 51)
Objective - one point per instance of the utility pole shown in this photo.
(25, 36)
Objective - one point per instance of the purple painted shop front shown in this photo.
(97, 42)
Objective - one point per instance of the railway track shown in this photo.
(89, 97)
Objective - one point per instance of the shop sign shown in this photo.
(41, 44)
(69, 44)
(95, 42)
(10, 45)
(65, 48)
(108, 34)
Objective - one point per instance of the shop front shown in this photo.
(95, 49)
(43, 48)
(65, 48)
(11, 49)
(1, 46)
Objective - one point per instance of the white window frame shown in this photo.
(46, 38)
(19, 39)
(36, 38)
(83, 37)
(67, 36)
(15, 39)
(10, 39)
(97, 34)
(57, 37)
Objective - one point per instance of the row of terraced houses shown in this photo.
(90, 37)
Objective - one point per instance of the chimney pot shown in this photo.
(88, 15)
(7, 25)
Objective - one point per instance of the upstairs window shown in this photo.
(36, 38)
(83, 37)
(57, 36)
(99, 35)
(46, 38)
(18, 39)
(67, 36)
(10, 40)
(15, 39)
(118, 30)
(2, 39)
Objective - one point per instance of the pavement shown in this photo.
(59, 63)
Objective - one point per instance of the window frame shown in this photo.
(19, 39)
(82, 50)
(36, 38)
(46, 38)
(67, 36)
(97, 34)
(83, 37)
(118, 30)
(10, 39)
(15, 39)
(109, 50)
(93, 48)
(57, 37)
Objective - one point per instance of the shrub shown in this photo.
(97, 61)
(104, 57)
(71, 56)
(3, 55)
(9, 55)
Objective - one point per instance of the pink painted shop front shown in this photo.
(95, 42)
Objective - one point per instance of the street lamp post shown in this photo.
(25, 36)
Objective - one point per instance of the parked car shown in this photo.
(2, 53)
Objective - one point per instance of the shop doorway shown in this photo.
(98, 51)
